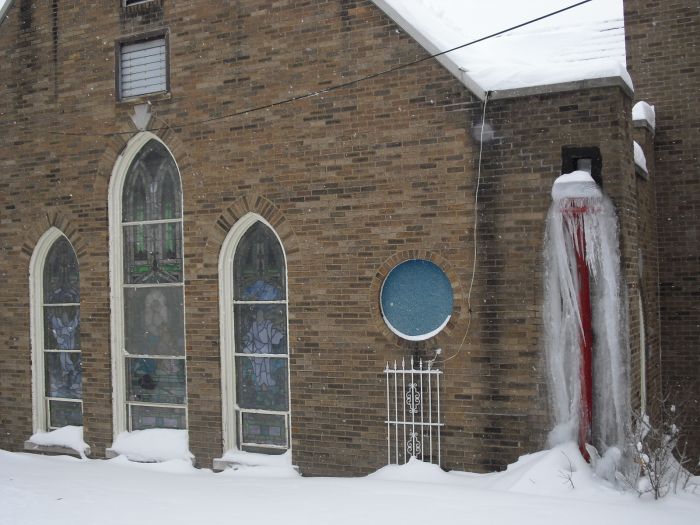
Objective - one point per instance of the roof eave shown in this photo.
(445, 60)
(575, 85)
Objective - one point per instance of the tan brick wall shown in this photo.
(647, 284)
(354, 181)
(662, 42)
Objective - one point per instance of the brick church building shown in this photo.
(219, 241)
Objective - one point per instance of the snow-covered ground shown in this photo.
(539, 488)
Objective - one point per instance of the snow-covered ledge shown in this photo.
(152, 445)
(65, 440)
(640, 161)
(644, 116)
(234, 459)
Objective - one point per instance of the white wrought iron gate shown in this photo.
(413, 421)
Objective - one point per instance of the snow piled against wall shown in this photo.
(153, 444)
(534, 490)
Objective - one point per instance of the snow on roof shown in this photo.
(584, 43)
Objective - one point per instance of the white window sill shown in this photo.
(145, 98)
(220, 464)
(52, 449)
(110, 453)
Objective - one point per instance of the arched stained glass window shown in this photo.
(152, 218)
(57, 310)
(153, 336)
(257, 302)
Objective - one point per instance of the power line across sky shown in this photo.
(313, 93)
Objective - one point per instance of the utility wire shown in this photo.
(328, 89)
(476, 231)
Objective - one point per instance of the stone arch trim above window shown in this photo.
(116, 145)
(61, 221)
(262, 206)
(380, 276)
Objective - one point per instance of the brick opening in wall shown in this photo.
(587, 158)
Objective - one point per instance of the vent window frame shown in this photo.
(136, 6)
(163, 34)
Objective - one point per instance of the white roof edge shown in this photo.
(573, 85)
(445, 60)
(3, 10)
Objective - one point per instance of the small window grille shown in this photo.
(143, 67)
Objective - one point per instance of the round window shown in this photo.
(416, 300)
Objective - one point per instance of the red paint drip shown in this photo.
(586, 343)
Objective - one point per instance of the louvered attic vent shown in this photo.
(129, 3)
(135, 7)
(143, 68)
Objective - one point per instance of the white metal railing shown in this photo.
(413, 399)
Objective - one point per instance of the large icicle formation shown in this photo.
(562, 318)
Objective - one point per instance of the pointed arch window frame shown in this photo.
(230, 424)
(37, 264)
(116, 272)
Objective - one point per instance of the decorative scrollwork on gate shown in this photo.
(413, 398)
(413, 445)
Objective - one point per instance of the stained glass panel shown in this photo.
(63, 375)
(152, 186)
(259, 266)
(260, 339)
(153, 253)
(156, 380)
(264, 429)
(61, 327)
(143, 417)
(61, 274)
(261, 328)
(62, 413)
(154, 321)
(261, 383)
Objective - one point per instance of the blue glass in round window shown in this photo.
(416, 300)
